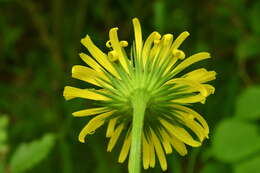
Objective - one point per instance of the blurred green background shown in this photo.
(40, 41)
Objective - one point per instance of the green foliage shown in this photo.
(254, 18)
(213, 167)
(249, 111)
(251, 165)
(248, 47)
(159, 15)
(3, 126)
(28, 155)
(3, 137)
(235, 140)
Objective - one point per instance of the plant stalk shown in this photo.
(139, 105)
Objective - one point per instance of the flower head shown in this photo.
(153, 72)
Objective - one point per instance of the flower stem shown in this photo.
(139, 105)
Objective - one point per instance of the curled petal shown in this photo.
(117, 47)
(191, 60)
(98, 55)
(179, 54)
(176, 44)
(112, 56)
(147, 45)
(195, 115)
(123, 43)
(210, 89)
(178, 145)
(180, 133)
(165, 47)
(93, 124)
(201, 75)
(190, 86)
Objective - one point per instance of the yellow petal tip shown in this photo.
(82, 140)
(186, 33)
(114, 29)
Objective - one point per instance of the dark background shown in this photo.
(40, 41)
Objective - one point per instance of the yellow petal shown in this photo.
(114, 137)
(191, 60)
(178, 41)
(147, 45)
(179, 54)
(178, 145)
(196, 128)
(138, 37)
(125, 149)
(210, 89)
(72, 92)
(146, 153)
(191, 99)
(155, 50)
(159, 150)
(180, 133)
(166, 142)
(200, 119)
(93, 124)
(92, 63)
(88, 112)
(117, 48)
(98, 55)
(190, 86)
(189, 121)
(152, 154)
(166, 44)
(111, 127)
(201, 75)
(170, 65)
(88, 75)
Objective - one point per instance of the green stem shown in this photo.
(139, 106)
(193, 159)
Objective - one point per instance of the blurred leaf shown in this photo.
(3, 121)
(28, 155)
(249, 166)
(248, 48)
(159, 15)
(257, 68)
(4, 148)
(234, 140)
(178, 20)
(174, 162)
(10, 37)
(206, 154)
(1, 167)
(247, 106)
(214, 167)
(254, 17)
(3, 136)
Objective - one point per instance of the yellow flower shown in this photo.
(155, 68)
